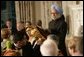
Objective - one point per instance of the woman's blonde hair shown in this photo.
(76, 43)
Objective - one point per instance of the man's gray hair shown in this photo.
(49, 48)
(53, 37)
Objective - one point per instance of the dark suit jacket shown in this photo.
(23, 32)
(27, 49)
(59, 28)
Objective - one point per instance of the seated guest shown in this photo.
(38, 33)
(6, 43)
(22, 45)
(75, 46)
(33, 37)
(21, 29)
(50, 48)
(36, 41)
(10, 26)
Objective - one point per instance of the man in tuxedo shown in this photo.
(21, 29)
(22, 45)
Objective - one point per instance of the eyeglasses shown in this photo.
(53, 13)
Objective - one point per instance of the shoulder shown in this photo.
(28, 47)
(52, 22)
(28, 44)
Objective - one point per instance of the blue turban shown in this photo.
(58, 9)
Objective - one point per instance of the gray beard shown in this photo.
(55, 17)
